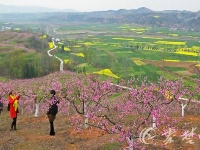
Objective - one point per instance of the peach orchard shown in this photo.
(124, 109)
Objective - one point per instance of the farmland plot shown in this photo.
(116, 45)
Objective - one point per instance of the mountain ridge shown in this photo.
(175, 19)
(34, 9)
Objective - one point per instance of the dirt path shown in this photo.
(61, 61)
(33, 134)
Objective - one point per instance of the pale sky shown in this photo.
(98, 5)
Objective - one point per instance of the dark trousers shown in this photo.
(14, 124)
(52, 132)
(51, 119)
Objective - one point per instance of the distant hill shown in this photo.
(29, 9)
(174, 19)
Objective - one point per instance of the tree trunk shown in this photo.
(86, 121)
(85, 116)
(154, 122)
(37, 109)
(183, 109)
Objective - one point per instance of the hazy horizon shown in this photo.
(102, 5)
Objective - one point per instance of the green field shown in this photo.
(127, 50)
(114, 46)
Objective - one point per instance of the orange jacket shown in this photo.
(13, 110)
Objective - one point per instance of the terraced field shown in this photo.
(132, 51)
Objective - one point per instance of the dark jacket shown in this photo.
(53, 109)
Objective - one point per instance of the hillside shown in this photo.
(25, 49)
(11, 41)
(179, 20)
(34, 131)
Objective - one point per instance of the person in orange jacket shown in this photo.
(13, 108)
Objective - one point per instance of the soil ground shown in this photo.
(33, 134)
(189, 66)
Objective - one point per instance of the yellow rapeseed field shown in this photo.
(138, 29)
(51, 45)
(196, 48)
(66, 49)
(170, 43)
(128, 39)
(88, 43)
(138, 61)
(125, 26)
(148, 37)
(107, 72)
(43, 36)
(78, 54)
(169, 60)
(187, 53)
(173, 34)
(139, 32)
(67, 61)
(17, 29)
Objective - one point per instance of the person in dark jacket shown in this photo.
(52, 111)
